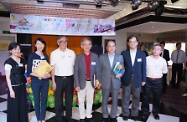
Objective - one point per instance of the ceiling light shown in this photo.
(114, 2)
(153, 5)
(159, 10)
(135, 4)
(99, 1)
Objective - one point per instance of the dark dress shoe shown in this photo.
(135, 118)
(125, 118)
(144, 117)
(82, 120)
(58, 119)
(105, 119)
(113, 120)
(156, 116)
(69, 119)
(89, 120)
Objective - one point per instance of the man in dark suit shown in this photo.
(165, 55)
(86, 70)
(133, 78)
(110, 81)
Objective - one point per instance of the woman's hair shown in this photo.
(13, 45)
(42, 41)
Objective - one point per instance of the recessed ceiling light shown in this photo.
(136, 30)
(152, 27)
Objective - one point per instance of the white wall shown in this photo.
(5, 26)
(143, 37)
(3, 56)
(120, 39)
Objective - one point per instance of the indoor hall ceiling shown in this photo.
(156, 27)
(75, 9)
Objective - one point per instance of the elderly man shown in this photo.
(155, 68)
(86, 71)
(110, 81)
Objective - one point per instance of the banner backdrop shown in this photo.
(20, 23)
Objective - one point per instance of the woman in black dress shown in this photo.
(17, 99)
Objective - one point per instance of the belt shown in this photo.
(153, 78)
(177, 63)
(87, 79)
(17, 84)
(64, 77)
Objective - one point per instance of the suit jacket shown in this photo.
(107, 75)
(137, 72)
(165, 55)
(80, 70)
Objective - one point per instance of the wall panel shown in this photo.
(73, 43)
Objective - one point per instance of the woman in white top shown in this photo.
(17, 99)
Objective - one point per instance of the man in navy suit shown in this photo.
(164, 54)
(133, 78)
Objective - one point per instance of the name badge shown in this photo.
(20, 65)
(93, 63)
(139, 60)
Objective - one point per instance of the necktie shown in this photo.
(177, 56)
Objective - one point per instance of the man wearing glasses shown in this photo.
(62, 60)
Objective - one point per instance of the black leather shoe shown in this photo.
(125, 118)
(113, 120)
(82, 120)
(105, 119)
(144, 117)
(89, 120)
(135, 118)
(156, 116)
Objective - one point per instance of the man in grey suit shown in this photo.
(86, 70)
(110, 81)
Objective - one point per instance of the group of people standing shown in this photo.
(80, 73)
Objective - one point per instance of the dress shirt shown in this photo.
(133, 55)
(87, 60)
(156, 67)
(111, 58)
(63, 62)
(181, 56)
(162, 53)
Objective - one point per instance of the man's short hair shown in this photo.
(132, 36)
(178, 43)
(86, 38)
(62, 36)
(155, 45)
(162, 42)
